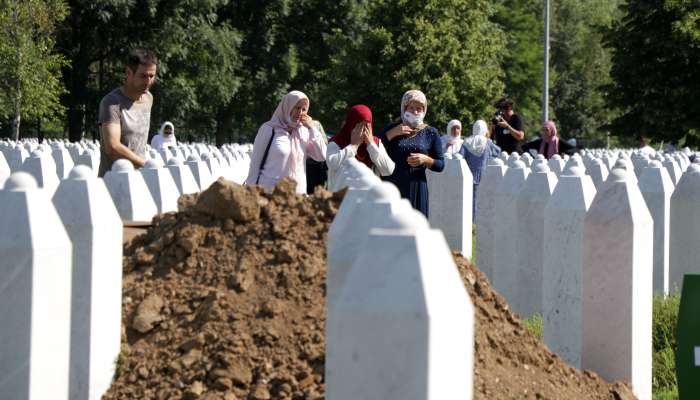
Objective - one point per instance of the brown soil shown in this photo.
(511, 363)
(224, 302)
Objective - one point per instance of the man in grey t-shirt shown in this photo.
(125, 113)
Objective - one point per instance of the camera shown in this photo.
(497, 117)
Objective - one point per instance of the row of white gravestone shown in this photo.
(399, 318)
(60, 298)
(549, 275)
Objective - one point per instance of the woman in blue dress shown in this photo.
(413, 146)
(477, 150)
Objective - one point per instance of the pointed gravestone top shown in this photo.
(573, 170)
(383, 193)
(122, 165)
(80, 173)
(556, 157)
(152, 164)
(518, 165)
(540, 168)
(541, 157)
(194, 158)
(174, 161)
(496, 161)
(20, 182)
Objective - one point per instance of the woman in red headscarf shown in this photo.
(356, 139)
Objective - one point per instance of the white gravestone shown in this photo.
(161, 185)
(346, 212)
(506, 231)
(182, 175)
(556, 164)
(626, 165)
(91, 159)
(403, 327)
(200, 171)
(598, 172)
(42, 167)
(656, 187)
(344, 242)
(450, 193)
(531, 203)
(5, 170)
(684, 244)
(486, 212)
(215, 169)
(130, 193)
(562, 263)
(616, 283)
(16, 157)
(63, 160)
(674, 171)
(95, 229)
(35, 294)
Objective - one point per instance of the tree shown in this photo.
(523, 23)
(582, 68)
(655, 58)
(30, 82)
(449, 49)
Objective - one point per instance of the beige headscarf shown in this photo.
(413, 95)
(477, 142)
(281, 119)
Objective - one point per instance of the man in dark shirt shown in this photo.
(508, 128)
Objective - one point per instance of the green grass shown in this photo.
(665, 318)
(534, 325)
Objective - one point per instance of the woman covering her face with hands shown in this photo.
(283, 142)
(356, 139)
(414, 146)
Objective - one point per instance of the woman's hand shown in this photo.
(399, 130)
(356, 135)
(367, 136)
(307, 121)
(418, 159)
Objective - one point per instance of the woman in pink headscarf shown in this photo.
(549, 144)
(283, 143)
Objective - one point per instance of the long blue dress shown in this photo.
(411, 181)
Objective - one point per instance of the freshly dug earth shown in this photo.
(228, 302)
(511, 363)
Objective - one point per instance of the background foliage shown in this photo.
(618, 67)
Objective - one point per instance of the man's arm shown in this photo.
(111, 135)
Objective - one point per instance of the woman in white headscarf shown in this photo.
(477, 150)
(452, 141)
(165, 137)
(283, 143)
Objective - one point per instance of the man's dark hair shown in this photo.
(140, 57)
(503, 103)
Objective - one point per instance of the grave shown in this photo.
(404, 323)
(43, 168)
(530, 206)
(656, 187)
(161, 186)
(616, 285)
(486, 212)
(182, 175)
(450, 195)
(684, 244)
(95, 229)
(35, 294)
(200, 171)
(130, 193)
(562, 263)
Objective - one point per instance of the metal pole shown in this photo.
(545, 89)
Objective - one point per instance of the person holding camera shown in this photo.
(507, 126)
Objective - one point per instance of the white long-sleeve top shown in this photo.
(335, 156)
(277, 165)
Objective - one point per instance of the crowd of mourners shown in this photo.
(292, 144)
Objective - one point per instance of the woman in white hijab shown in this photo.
(452, 141)
(284, 142)
(165, 137)
(477, 150)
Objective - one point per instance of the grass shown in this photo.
(665, 317)
(534, 325)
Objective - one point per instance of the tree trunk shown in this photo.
(224, 122)
(15, 123)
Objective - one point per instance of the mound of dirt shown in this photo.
(226, 300)
(511, 363)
